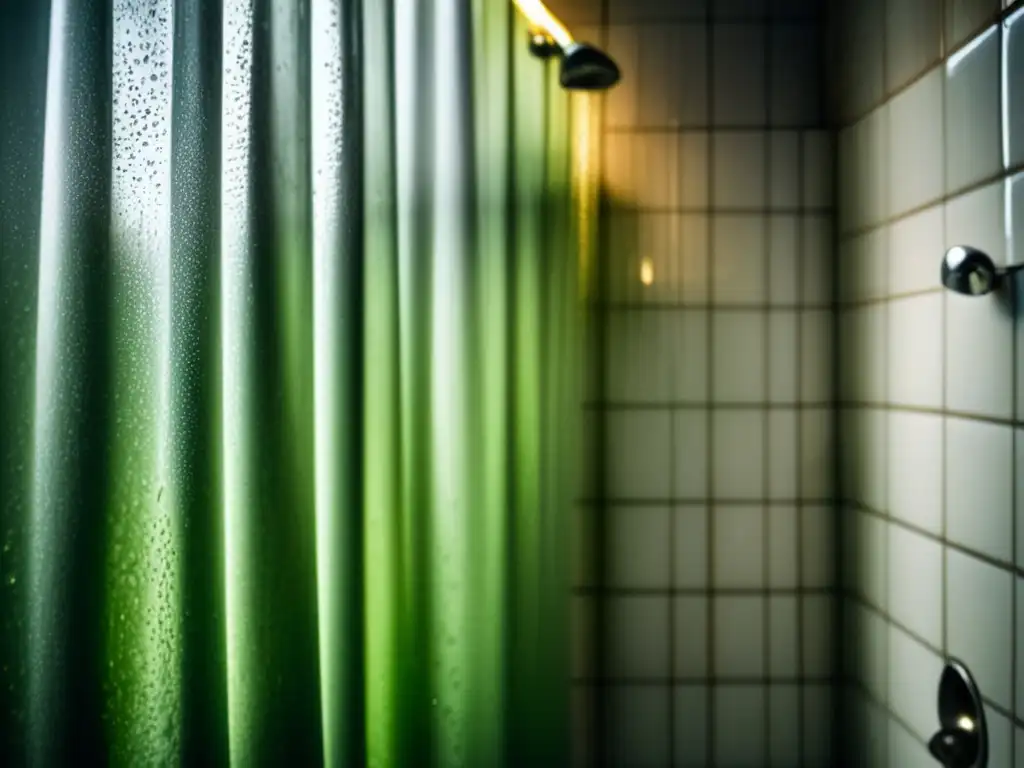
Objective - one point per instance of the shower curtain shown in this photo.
(291, 302)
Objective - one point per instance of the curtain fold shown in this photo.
(291, 307)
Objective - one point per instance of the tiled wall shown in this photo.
(703, 598)
(931, 154)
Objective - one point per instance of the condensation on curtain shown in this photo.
(290, 310)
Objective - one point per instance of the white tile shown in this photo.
(739, 169)
(690, 449)
(817, 260)
(818, 712)
(913, 680)
(916, 469)
(876, 650)
(979, 629)
(1014, 225)
(847, 213)
(1018, 740)
(783, 543)
(915, 171)
(913, 39)
(1000, 737)
(738, 438)
(818, 171)
(639, 547)
(905, 750)
(739, 547)
(739, 636)
(739, 709)
(784, 279)
(784, 156)
(967, 17)
(694, 156)
(878, 725)
(695, 280)
(915, 583)
(641, 356)
(782, 464)
(634, 238)
(637, 630)
(916, 245)
(738, 74)
(915, 351)
(783, 727)
(670, 75)
(816, 453)
(691, 726)
(973, 133)
(877, 157)
(1019, 475)
(638, 726)
(1018, 638)
(977, 219)
(623, 43)
(979, 358)
(691, 560)
(690, 637)
(876, 263)
(817, 546)
(979, 486)
(782, 356)
(638, 458)
(1013, 90)
(783, 643)
(875, 467)
(817, 636)
(738, 351)
(874, 541)
(862, 83)
(690, 353)
(817, 344)
(795, 66)
(739, 261)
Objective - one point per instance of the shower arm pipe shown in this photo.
(542, 18)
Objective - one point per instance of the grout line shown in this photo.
(926, 411)
(766, 394)
(709, 362)
(801, 262)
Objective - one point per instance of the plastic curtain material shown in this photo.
(291, 303)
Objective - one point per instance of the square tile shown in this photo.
(796, 62)
(784, 277)
(738, 352)
(973, 130)
(739, 547)
(738, 272)
(818, 713)
(738, 55)
(915, 672)
(739, 636)
(861, 75)
(913, 39)
(740, 169)
(816, 346)
(1000, 737)
(818, 254)
(690, 332)
(783, 547)
(965, 18)
(671, 75)
(635, 238)
(694, 156)
(641, 356)
(979, 360)
(739, 709)
(915, 245)
(690, 449)
(874, 557)
(1019, 475)
(865, 355)
(783, 358)
(784, 166)
(915, 473)
(639, 455)
(979, 487)
(639, 547)
(916, 144)
(738, 439)
(979, 629)
(816, 454)
(977, 219)
(817, 546)
(695, 273)
(690, 655)
(915, 583)
(783, 727)
(783, 643)
(876, 655)
(1018, 638)
(623, 43)
(915, 351)
(637, 632)
(691, 726)
(877, 157)
(905, 750)
(692, 546)
(818, 169)
(1013, 90)
(782, 463)
(638, 727)
(817, 636)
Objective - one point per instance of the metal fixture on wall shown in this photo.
(972, 272)
(962, 740)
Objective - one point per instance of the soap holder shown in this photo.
(962, 741)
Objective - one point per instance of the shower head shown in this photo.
(972, 272)
(586, 68)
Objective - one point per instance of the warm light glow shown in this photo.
(539, 16)
(965, 723)
(646, 271)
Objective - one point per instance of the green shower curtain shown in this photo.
(291, 305)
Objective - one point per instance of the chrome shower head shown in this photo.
(586, 68)
(972, 272)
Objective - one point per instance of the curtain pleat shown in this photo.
(291, 306)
